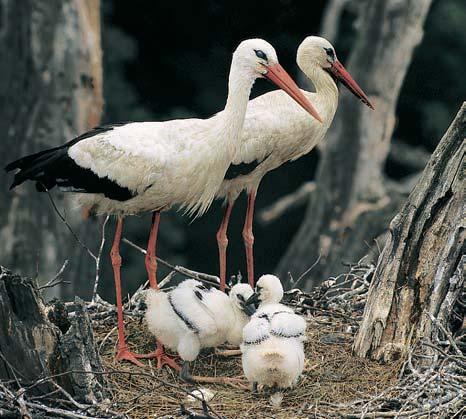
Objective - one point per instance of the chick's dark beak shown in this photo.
(249, 310)
(253, 299)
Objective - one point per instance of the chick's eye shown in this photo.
(240, 297)
(261, 54)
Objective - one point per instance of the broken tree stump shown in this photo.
(418, 267)
(32, 347)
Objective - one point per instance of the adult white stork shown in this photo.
(135, 167)
(276, 131)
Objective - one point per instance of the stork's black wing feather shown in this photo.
(54, 167)
(242, 169)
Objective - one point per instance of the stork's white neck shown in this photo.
(232, 118)
(326, 92)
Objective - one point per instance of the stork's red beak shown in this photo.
(342, 74)
(277, 74)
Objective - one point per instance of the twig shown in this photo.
(200, 276)
(97, 259)
(60, 412)
(307, 271)
(62, 217)
(53, 282)
(167, 279)
(445, 332)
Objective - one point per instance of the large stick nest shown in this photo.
(334, 383)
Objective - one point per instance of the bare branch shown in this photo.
(97, 259)
(55, 280)
(286, 203)
(62, 217)
(210, 279)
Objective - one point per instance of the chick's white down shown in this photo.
(192, 317)
(272, 347)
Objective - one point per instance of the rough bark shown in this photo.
(352, 204)
(50, 90)
(32, 347)
(421, 263)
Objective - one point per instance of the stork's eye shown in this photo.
(261, 54)
(240, 297)
(330, 53)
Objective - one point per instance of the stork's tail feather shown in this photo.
(36, 167)
(54, 167)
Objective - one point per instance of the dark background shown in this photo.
(166, 60)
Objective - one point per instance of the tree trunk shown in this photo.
(352, 204)
(33, 347)
(416, 269)
(50, 90)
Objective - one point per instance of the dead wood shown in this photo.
(50, 91)
(419, 274)
(38, 341)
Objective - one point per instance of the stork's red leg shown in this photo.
(222, 242)
(151, 267)
(248, 237)
(123, 353)
(151, 259)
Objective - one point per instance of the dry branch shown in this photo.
(31, 346)
(53, 48)
(419, 265)
(286, 203)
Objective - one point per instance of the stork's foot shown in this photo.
(162, 358)
(124, 354)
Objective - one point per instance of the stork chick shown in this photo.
(268, 294)
(272, 348)
(192, 317)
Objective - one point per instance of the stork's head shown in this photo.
(239, 294)
(269, 290)
(316, 52)
(256, 58)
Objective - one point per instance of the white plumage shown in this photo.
(131, 168)
(272, 347)
(276, 131)
(192, 317)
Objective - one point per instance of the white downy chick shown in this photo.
(273, 350)
(192, 317)
(268, 294)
